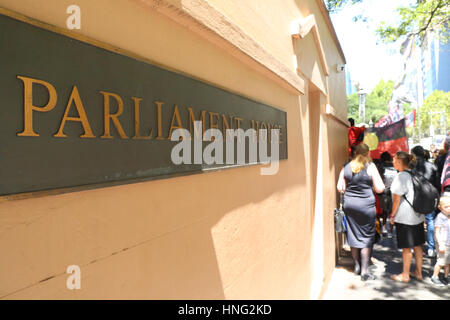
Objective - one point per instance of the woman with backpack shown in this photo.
(408, 222)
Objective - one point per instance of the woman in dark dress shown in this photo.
(359, 179)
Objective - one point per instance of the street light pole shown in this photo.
(362, 105)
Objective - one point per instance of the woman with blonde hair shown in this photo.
(359, 179)
(408, 223)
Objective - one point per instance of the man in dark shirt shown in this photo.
(440, 162)
(429, 171)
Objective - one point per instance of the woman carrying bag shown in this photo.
(359, 179)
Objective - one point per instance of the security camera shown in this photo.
(340, 67)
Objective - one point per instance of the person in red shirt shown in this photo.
(355, 136)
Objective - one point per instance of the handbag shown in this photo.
(340, 224)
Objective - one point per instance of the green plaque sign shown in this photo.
(74, 114)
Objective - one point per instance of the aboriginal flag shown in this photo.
(391, 138)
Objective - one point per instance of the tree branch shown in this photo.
(432, 13)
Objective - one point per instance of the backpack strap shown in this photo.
(409, 171)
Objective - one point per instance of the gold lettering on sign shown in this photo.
(192, 119)
(175, 116)
(238, 126)
(280, 127)
(159, 117)
(137, 120)
(114, 117)
(264, 127)
(214, 118)
(256, 128)
(212, 123)
(269, 132)
(29, 107)
(75, 97)
(231, 122)
(238, 122)
(225, 125)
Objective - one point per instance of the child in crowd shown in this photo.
(442, 235)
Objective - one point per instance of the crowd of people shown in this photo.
(380, 192)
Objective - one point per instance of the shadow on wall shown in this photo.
(337, 147)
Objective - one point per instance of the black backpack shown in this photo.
(426, 196)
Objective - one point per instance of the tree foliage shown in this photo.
(352, 107)
(437, 101)
(415, 20)
(418, 19)
(336, 5)
(376, 102)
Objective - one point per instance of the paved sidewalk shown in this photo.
(387, 259)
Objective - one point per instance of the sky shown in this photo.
(367, 61)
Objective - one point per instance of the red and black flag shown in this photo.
(391, 138)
